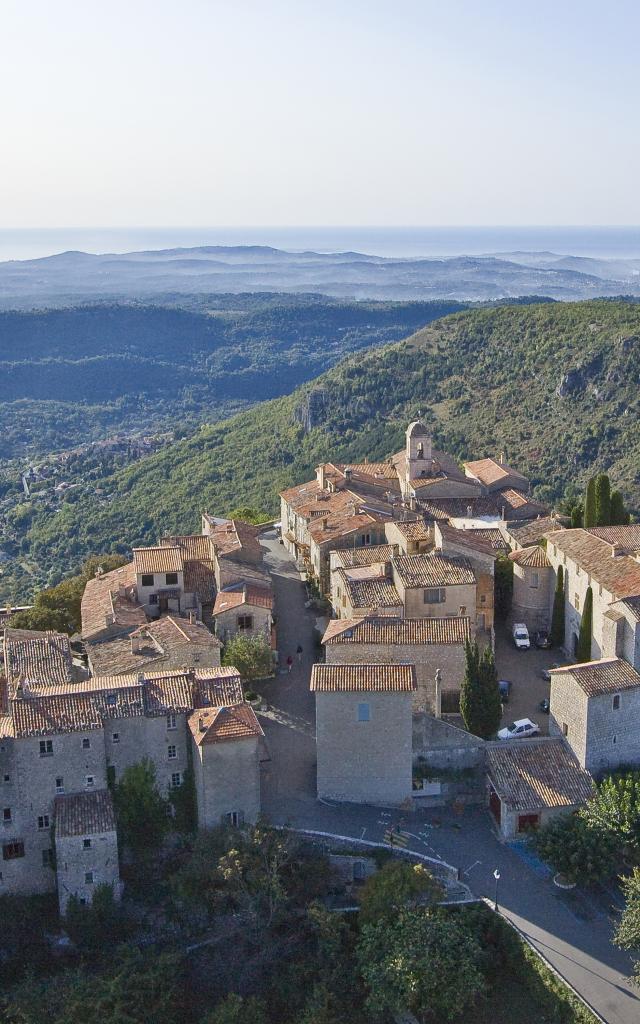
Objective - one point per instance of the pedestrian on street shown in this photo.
(289, 663)
(299, 652)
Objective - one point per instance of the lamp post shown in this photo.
(496, 875)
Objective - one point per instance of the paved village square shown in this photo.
(367, 591)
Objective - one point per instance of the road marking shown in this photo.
(395, 838)
(475, 864)
(363, 832)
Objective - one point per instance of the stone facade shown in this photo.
(227, 780)
(532, 588)
(364, 761)
(456, 600)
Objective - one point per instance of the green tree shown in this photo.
(603, 500)
(577, 513)
(141, 812)
(396, 885)
(58, 608)
(248, 514)
(251, 655)
(98, 925)
(237, 1010)
(581, 853)
(583, 651)
(503, 585)
(184, 804)
(615, 811)
(429, 964)
(589, 516)
(557, 618)
(628, 931)
(480, 703)
(619, 514)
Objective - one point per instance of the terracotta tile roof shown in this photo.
(468, 539)
(619, 574)
(351, 557)
(200, 579)
(532, 531)
(193, 545)
(626, 537)
(438, 509)
(167, 637)
(38, 657)
(158, 559)
(490, 471)
(531, 774)
(433, 569)
(534, 557)
(82, 706)
(369, 591)
(220, 725)
(492, 536)
(240, 594)
(6, 727)
(111, 595)
(238, 540)
(339, 525)
(387, 631)
(417, 530)
(84, 814)
(363, 678)
(596, 678)
(385, 470)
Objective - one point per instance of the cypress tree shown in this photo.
(490, 702)
(603, 500)
(619, 514)
(589, 517)
(576, 516)
(583, 652)
(557, 619)
(470, 685)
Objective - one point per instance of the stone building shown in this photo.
(362, 589)
(364, 732)
(533, 580)
(606, 560)
(86, 846)
(430, 645)
(160, 580)
(532, 782)
(594, 707)
(495, 475)
(61, 736)
(166, 643)
(412, 537)
(226, 764)
(243, 608)
(435, 585)
(480, 553)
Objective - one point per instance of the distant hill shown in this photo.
(553, 386)
(69, 375)
(75, 277)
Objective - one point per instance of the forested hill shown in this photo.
(71, 375)
(554, 387)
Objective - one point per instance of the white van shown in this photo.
(520, 635)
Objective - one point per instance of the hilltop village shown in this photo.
(395, 562)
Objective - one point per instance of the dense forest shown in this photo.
(72, 375)
(554, 387)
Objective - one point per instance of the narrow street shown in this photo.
(572, 930)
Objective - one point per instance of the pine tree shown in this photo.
(603, 500)
(619, 514)
(589, 516)
(583, 652)
(557, 619)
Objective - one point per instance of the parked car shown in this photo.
(544, 706)
(519, 730)
(520, 635)
(546, 672)
(504, 686)
(543, 639)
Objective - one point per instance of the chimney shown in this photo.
(202, 725)
(140, 678)
(616, 550)
(320, 476)
(192, 618)
(501, 458)
(109, 619)
(136, 643)
(469, 511)
(347, 474)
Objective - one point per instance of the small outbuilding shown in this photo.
(86, 846)
(530, 782)
(533, 581)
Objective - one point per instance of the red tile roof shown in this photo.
(84, 814)
(219, 725)
(363, 678)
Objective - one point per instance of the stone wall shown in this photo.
(364, 761)
(532, 596)
(227, 622)
(613, 738)
(568, 714)
(463, 596)
(442, 745)
(80, 869)
(227, 780)
(427, 658)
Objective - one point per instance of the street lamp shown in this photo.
(496, 875)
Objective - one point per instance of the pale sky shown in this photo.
(265, 112)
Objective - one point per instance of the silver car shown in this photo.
(519, 730)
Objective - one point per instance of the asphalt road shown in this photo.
(572, 930)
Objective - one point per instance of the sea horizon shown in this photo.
(436, 242)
